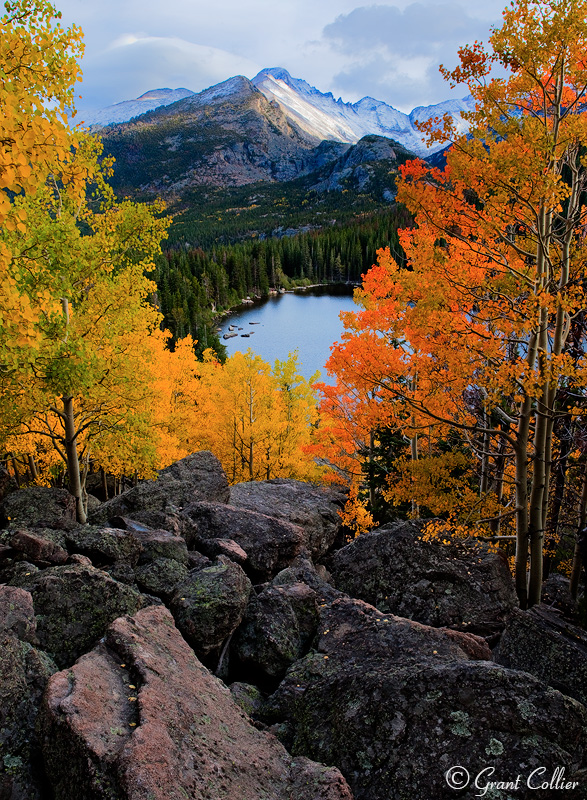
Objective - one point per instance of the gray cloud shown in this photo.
(419, 29)
(397, 51)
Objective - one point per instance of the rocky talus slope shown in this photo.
(215, 643)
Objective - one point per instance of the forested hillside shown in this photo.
(193, 284)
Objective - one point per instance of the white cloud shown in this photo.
(134, 63)
(390, 50)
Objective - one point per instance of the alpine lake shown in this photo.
(306, 320)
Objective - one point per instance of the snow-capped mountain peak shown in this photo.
(315, 113)
(323, 117)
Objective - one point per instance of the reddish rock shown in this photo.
(224, 547)
(182, 737)
(17, 614)
(77, 558)
(474, 646)
(37, 549)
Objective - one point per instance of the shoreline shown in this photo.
(257, 300)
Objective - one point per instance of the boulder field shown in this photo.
(201, 641)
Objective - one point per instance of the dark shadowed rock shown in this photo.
(189, 740)
(7, 483)
(314, 508)
(457, 585)
(247, 696)
(104, 546)
(539, 641)
(303, 571)
(270, 543)
(556, 592)
(38, 507)
(24, 672)
(210, 603)
(277, 628)
(18, 573)
(196, 477)
(74, 606)
(395, 704)
(161, 544)
(150, 520)
(160, 576)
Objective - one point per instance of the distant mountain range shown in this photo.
(274, 128)
(316, 113)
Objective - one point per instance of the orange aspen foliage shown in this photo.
(473, 338)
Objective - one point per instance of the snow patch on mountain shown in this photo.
(318, 114)
(239, 85)
(122, 112)
(323, 117)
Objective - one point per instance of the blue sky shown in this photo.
(389, 51)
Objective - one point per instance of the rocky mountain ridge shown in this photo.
(316, 113)
(320, 115)
(232, 135)
(205, 641)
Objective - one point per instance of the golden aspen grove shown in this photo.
(86, 377)
(474, 350)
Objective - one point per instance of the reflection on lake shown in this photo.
(304, 321)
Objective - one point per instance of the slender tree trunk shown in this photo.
(500, 460)
(73, 471)
(577, 555)
(33, 468)
(15, 470)
(104, 478)
(521, 465)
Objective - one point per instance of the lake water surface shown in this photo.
(305, 321)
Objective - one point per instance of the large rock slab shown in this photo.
(104, 546)
(140, 718)
(209, 604)
(37, 549)
(270, 544)
(539, 641)
(74, 604)
(277, 629)
(314, 508)
(38, 507)
(456, 585)
(196, 477)
(24, 672)
(17, 613)
(396, 704)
